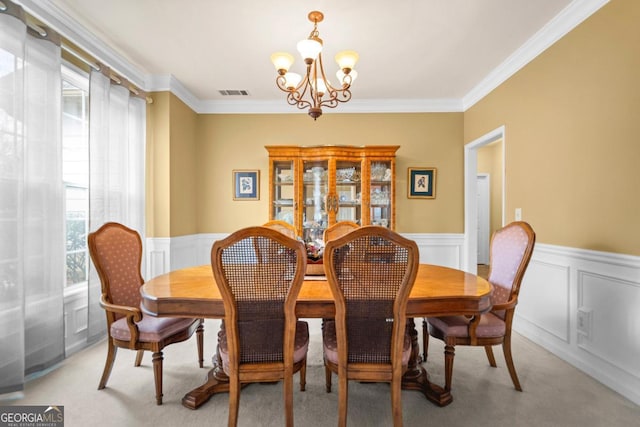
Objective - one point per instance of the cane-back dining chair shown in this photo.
(370, 272)
(116, 252)
(282, 226)
(261, 338)
(338, 229)
(511, 249)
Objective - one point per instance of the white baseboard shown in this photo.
(578, 304)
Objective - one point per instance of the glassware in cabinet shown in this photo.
(381, 193)
(348, 193)
(314, 197)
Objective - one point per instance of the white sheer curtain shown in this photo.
(116, 165)
(31, 211)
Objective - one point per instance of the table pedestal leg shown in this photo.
(416, 378)
(217, 382)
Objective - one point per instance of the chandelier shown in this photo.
(314, 90)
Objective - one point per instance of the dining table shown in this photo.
(437, 291)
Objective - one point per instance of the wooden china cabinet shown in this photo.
(315, 187)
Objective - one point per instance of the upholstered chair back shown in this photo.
(117, 255)
(511, 249)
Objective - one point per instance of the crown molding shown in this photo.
(71, 29)
(354, 106)
(570, 17)
(168, 83)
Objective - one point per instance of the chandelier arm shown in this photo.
(281, 83)
(292, 99)
(306, 86)
(333, 101)
(313, 82)
(327, 83)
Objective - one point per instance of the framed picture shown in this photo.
(246, 185)
(421, 183)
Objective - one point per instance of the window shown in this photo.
(75, 172)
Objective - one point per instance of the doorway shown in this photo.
(471, 237)
(484, 216)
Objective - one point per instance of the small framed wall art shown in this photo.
(246, 185)
(421, 183)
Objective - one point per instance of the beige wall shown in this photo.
(184, 171)
(171, 170)
(158, 174)
(228, 142)
(571, 119)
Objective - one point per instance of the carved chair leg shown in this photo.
(506, 348)
(108, 364)
(303, 375)
(200, 341)
(157, 375)
(327, 378)
(425, 339)
(449, 353)
(492, 360)
(139, 355)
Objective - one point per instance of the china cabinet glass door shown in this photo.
(347, 202)
(380, 193)
(284, 191)
(314, 197)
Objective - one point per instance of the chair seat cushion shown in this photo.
(300, 346)
(152, 329)
(330, 343)
(490, 326)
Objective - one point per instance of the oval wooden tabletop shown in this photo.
(192, 292)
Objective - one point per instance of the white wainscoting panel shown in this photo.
(76, 319)
(158, 256)
(439, 249)
(584, 307)
(613, 307)
(541, 280)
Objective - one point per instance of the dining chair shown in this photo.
(338, 229)
(282, 226)
(511, 249)
(369, 341)
(261, 338)
(116, 252)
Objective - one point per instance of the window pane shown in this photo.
(75, 171)
(76, 267)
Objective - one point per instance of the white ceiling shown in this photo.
(410, 50)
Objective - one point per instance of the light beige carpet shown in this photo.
(555, 393)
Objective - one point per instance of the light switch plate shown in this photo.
(518, 214)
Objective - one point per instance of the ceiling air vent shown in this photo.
(231, 92)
